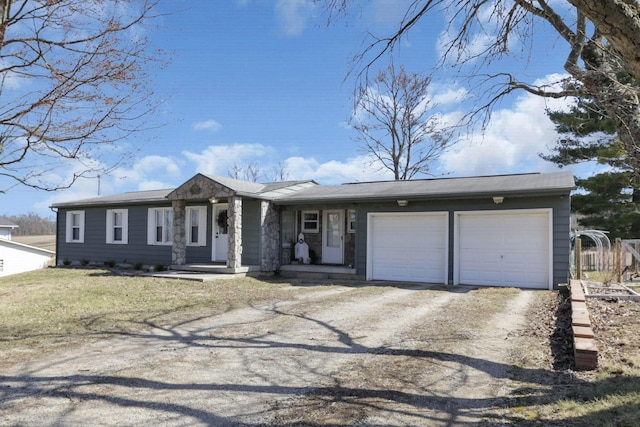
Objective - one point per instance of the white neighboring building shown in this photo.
(17, 257)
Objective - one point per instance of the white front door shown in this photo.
(333, 237)
(220, 246)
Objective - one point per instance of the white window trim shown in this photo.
(69, 225)
(202, 225)
(151, 227)
(310, 230)
(111, 225)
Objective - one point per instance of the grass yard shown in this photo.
(60, 307)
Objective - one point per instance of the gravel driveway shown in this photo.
(328, 355)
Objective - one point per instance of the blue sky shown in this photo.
(264, 82)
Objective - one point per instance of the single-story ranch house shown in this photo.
(503, 230)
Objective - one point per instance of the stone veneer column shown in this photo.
(270, 236)
(179, 247)
(234, 257)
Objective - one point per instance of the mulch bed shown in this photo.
(615, 322)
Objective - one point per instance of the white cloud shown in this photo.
(148, 173)
(218, 159)
(293, 15)
(511, 142)
(210, 125)
(451, 95)
(154, 185)
(355, 169)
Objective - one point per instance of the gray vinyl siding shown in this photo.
(251, 234)
(96, 250)
(561, 229)
(561, 241)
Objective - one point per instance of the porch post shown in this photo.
(270, 233)
(234, 256)
(179, 247)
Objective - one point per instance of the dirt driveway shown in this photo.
(328, 355)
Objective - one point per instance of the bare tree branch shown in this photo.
(604, 66)
(73, 85)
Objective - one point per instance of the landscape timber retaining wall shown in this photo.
(585, 349)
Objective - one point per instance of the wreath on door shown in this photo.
(222, 218)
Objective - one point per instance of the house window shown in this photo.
(351, 225)
(310, 221)
(196, 225)
(75, 227)
(117, 226)
(160, 226)
(1, 265)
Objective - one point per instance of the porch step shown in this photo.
(307, 271)
(215, 268)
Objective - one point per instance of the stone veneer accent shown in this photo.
(179, 247)
(234, 257)
(200, 187)
(270, 226)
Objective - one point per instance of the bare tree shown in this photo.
(393, 122)
(73, 84)
(602, 40)
(247, 172)
(280, 172)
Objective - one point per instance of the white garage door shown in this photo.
(408, 247)
(505, 248)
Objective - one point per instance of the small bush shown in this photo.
(111, 263)
(84, 262)
(159, 267)
(66, 261)
(137, 266)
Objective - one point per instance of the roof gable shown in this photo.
(6, 223)
(204, 187)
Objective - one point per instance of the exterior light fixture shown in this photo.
(498, 199)
(403, 203)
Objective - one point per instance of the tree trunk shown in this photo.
(5, 8)
(619, 22)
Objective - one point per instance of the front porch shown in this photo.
(292, 271)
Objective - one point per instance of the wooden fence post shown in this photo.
(617, 259)
(578, 258)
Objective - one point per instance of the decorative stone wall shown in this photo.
(179, 247)
(200, 187)
(270, 236)
(234, 258)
